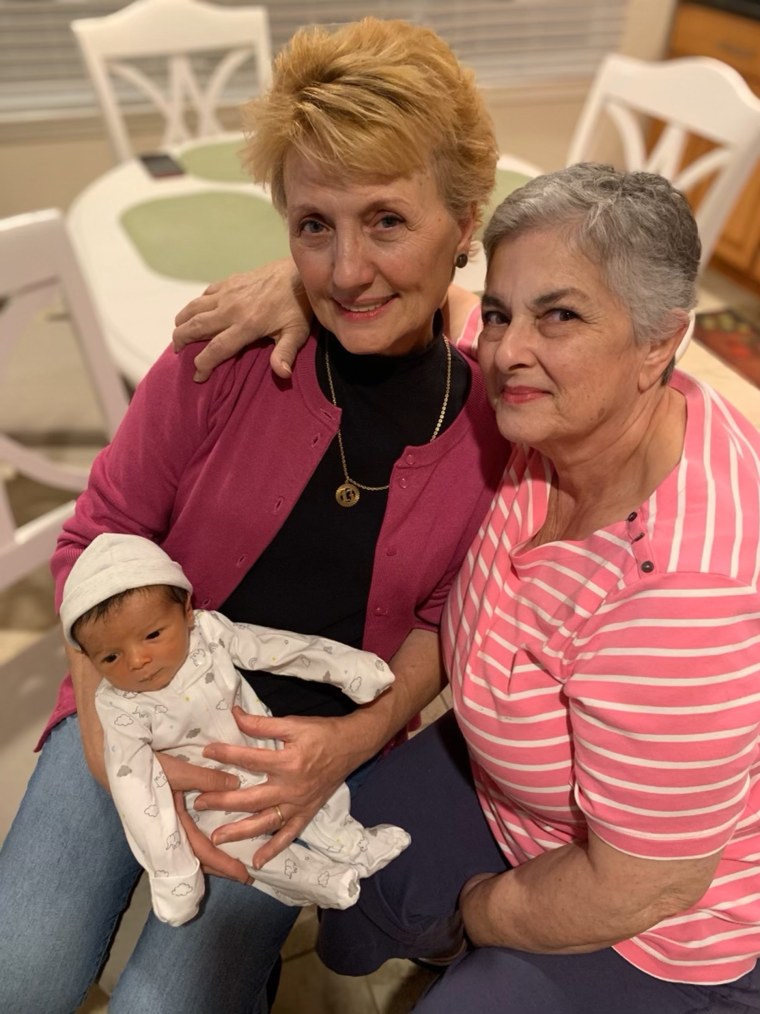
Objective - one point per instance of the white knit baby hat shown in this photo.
(111, 564)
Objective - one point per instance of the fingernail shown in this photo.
(198, 377)
(199, 805)
(286, 367)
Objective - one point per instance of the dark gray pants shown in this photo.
(408, 909)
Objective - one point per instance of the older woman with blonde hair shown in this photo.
(340, 504)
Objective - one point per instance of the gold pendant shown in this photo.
(347, 494)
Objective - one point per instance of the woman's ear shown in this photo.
(661, 354)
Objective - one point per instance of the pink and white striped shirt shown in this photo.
(614, 683)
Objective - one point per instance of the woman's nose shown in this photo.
(352, 268)
(516, 346)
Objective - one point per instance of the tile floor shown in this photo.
(65, 418)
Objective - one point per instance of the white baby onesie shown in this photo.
(194, 710)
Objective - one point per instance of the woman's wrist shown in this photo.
(362, 735)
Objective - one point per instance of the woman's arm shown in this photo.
(85, 681)
(270, 302)
(318, 753)
(580, 898)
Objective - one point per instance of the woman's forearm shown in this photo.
(85, 681)
(580, 898)
(419, 677)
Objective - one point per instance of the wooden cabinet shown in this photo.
(734, 39)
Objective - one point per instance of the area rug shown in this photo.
(732, 338)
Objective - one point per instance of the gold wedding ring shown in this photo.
(278, 811)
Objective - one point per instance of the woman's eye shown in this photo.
(494, 318)
(389, 221)
(310, 227)
(561, 314)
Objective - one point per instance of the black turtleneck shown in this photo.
(314, 577)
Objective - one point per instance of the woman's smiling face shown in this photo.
(375, 258)
(557, 347)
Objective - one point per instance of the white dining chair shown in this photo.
(710, 140)
(170, 34)
(38, 267)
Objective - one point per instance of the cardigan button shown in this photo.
(647, 566)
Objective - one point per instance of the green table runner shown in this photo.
(218, 162)
(204, 237)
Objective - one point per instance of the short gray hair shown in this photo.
(635, 226)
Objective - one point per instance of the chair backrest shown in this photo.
(39, 265)
(710, 140)
(172, 32)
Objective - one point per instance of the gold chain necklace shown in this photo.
(347, 494)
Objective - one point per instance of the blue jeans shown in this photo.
(66, 875)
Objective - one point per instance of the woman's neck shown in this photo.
(591, 492)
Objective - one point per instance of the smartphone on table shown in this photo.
(160, 164)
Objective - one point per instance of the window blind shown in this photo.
(507, 42)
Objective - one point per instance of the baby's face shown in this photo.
(141, 643)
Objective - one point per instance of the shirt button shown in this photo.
(632, 516)
(647, 566)
(381, 611)
(403, 483)
(391, 551)
(409, 459)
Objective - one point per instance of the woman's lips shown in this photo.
(363, 311)
(513, 395)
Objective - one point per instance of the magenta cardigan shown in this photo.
(210, 472)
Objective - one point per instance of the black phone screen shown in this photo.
(160, 164)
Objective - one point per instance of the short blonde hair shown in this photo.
(374, 99)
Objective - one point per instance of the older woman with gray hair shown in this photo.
(590, 833)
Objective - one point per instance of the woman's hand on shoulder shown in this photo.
(301, 777)
(266, 302)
